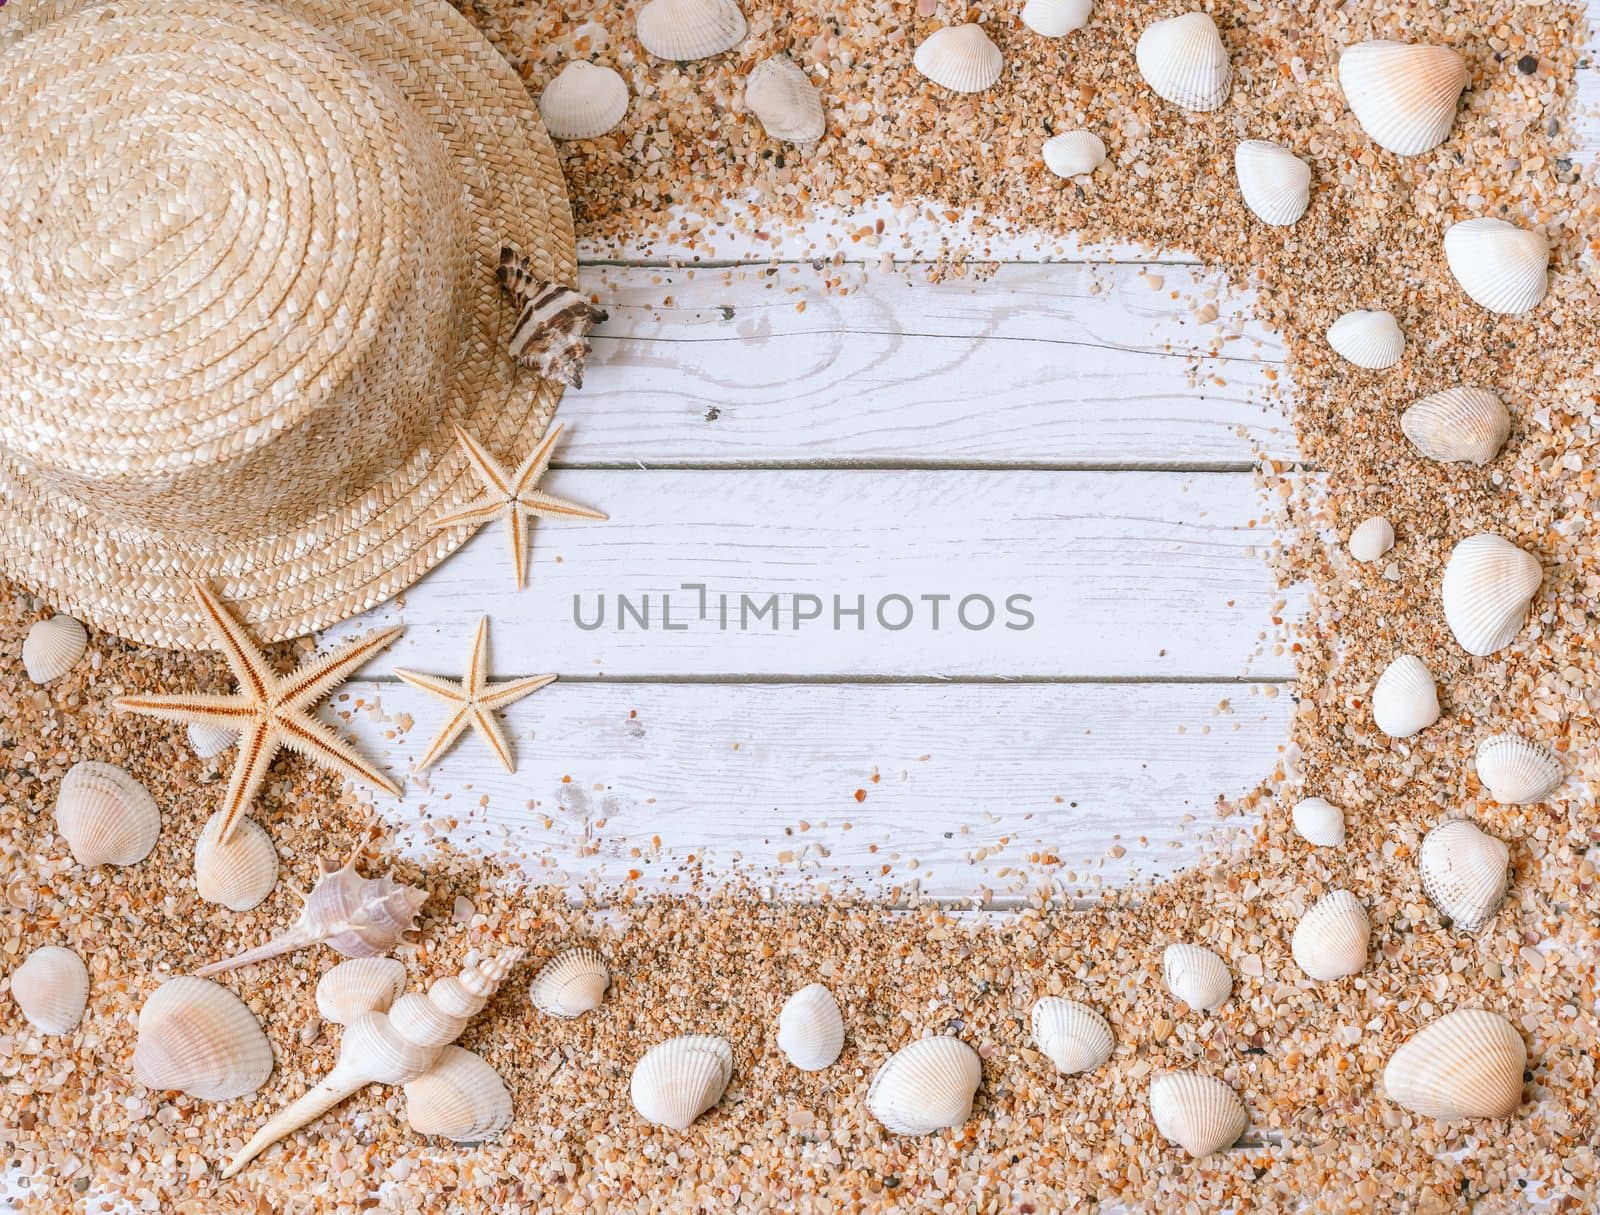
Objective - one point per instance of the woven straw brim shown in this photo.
(291, 580)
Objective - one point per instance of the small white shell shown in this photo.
(1458, 425)
(1319, 822)
(1464, 873)
(1199, 1113)
(1074, 1036)
(1488, 584)
(106, 817)
(1516, 771)
(583, 101)
(1405, 700)
(1196, 976)
(358, 986)
(1275, 183)
(1467, 1064)
(678, 1080)
(208, 741)
(1330, 942)
(1368, 339)
(240, 873)
(811, 1028)
(690, 29)
(1372, 539)
(570, 984)
(1501, 266)
(51, 988)
(961, 58)
(1404, 96)
(52, 647)
(926, 1086)
(460, 1097)
(1074, 153)
(1054, 18)
(198, 1037)
(782, 97)
(1183, 60)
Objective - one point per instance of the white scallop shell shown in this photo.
(811, 1028)
(208, 741)
(1275, 183)
(782, 97)
(106, 817)
(1403, 95)
(1074, 1036)
(1196, 976)
(1054, 18)
(52, 647)
(1319, 822)
(583, 101)
(570, 984)
(359, 986)
(198, 1037)
(1330, 942)
(1517, 771)
(1461, 424)
(1501, 266)
(1464, 873)
(926, 1086)
(1467, 1064)
(1372, 539)
(51, 988)
(961, 58)
(690, 29)
(1199, 1113)
(1368, 339)
(1184, 61)
(240, 873)
(1405, 700)
(460, 1097)
(1074, 153)
(1488, 584)
(678, 1080)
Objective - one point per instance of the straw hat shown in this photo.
(248, 255)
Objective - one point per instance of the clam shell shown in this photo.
(926, 1086)
(105, 815)
(460, 1097)
(690, 29)
(1199, 1113)
(1403, 95)
(1275, 183)
(1184, 61)
(359, 986)
(51, 988)
(240, 873)
(52, 647)
(1196, 976)
(1054, 18)
(782, 97)
(1074, 153)
(678, 1080)
(1368, 339)
(961, 58)
(1330, 942)
(1499, 265)
(570, 984)
(1464, 873)
(1405, 700)
(583, 101)
(1516, 771)
(1467, 1064)
(811, 1028)
(208, 741)
(1075, 1036)
(1319, 822)
(1372, 539)
(1458, 425)
(1488, 584)
(198, 1037)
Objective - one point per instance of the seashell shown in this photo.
(1517, 772)
(1488, 584)
(570, 984)
(1467, 1064)
(926, 1086)
(53, 647)
(1054, 18)
(106, 817)
(1199, 1113)
(1075, 1036)
(361, 985)
(1275, 183)
(1458, 425)
(782, 97)
(1403, 95)
(960, 58)
(551, 335)
(1184, 61)
(198, 1037)
(1330, 942)
(460, 1097)
(1372, 539)
(240, 873)
(208, 741)
(690, 29)
(51, 988)
(1196, 976)
(1074, 153)
(1368, 339)
(678, 1080)
(583, 101)
(811, 1028)
(1319, 822)
(1464, 873)
(1499, 265)
(1404, 700)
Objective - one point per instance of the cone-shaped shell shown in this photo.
(1199, 1113)
(690, 29)
(53, 647)
(1074, 153)
(1330, 942)
(208, 741)
(1318, 822)
(925, 1087)
(1464, 873)
(1463, 424)
(961, 58)
(1516, 771)
(583, 101)
(1403, 95)
(782, 97)
(1054, 18)
(198, 1037)
(105, 815)
(1275, 183)
(460, 1097)
(240, 873)
(1467, 1064)
(678, 1080)
(1074, 1036)
(570, 984)
(359, 986)
(1196, 976)
(1488, 584)
(1501, 266)
(1368, 339)
(1372, 539)
(51, 988)
(1405, 700)
(1184, 61)
(811, 1028)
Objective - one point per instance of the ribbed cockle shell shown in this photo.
(239, 873)
(1196, 976)
(678, 1080)
(359, 986)
(1318, 821)
(784, 100)
(1372, 539)
(1370, 339)
(1464, 873)
(927, 1086)
(51, 988)
(1184, 61)
(961, 58)
(1460, 425)
(53, 647)
(1467, 1064)
(811, 1028)
(1488, 584)
(460, 1097)
(583, 101)
(1405, 698)
(1055, 18)
(1330, 942)
(198, 1037)
(1074, 153)
(1199, 1113)
(690, 29)
(1403, 95)
(1499, 265)
(570, 984)
(1074, 1036)
(1275, 183)
(106, 817)
(1517, 771)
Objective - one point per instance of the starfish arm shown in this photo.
(476, 513)
(541, 503)
(534, 467)
(477, 661)
(448, 733)
(313, 681)
(517, 538)
(232, 712)
(257, 748)
(498, 696)
(438, 685)
(484, 466)
(316, 740)
(249, 665)
(492, 734)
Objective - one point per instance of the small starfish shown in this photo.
(514, 497)
(270, 711)
(475, 701)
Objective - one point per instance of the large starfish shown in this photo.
(514, 497)
(474, 700)
(270, 711)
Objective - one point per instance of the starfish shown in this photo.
(270, 711)
(514, 497)
(475, 701)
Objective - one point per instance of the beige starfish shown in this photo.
(514, 497)
(270, 711)
(474, 700)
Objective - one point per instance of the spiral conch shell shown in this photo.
(678, 1080)
(51, 988)
(106, 817)
(961, 58)
(239, 873)
(583, 101)
(1196, 976)
(1499, 265)
(1074, 1036)
(570, 984)
(927, 1086)
(1488, 584)
(554, 322)
(1330, 942)
(1403, 95)
(1319, 822)
(359, 986)
(784, 100)
(1183, 60)
(198, 1037)
(460, 1098)
(1467, 1064)
(1405, 698)
(1517, 772)
(53, 647)
(1056, 18)
(1464, 873)
(1074, 153)
(1460, 425)
(1275, 183)
(1368, 338)
(811, 1028)
(690, 29)
(1199, 1113)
